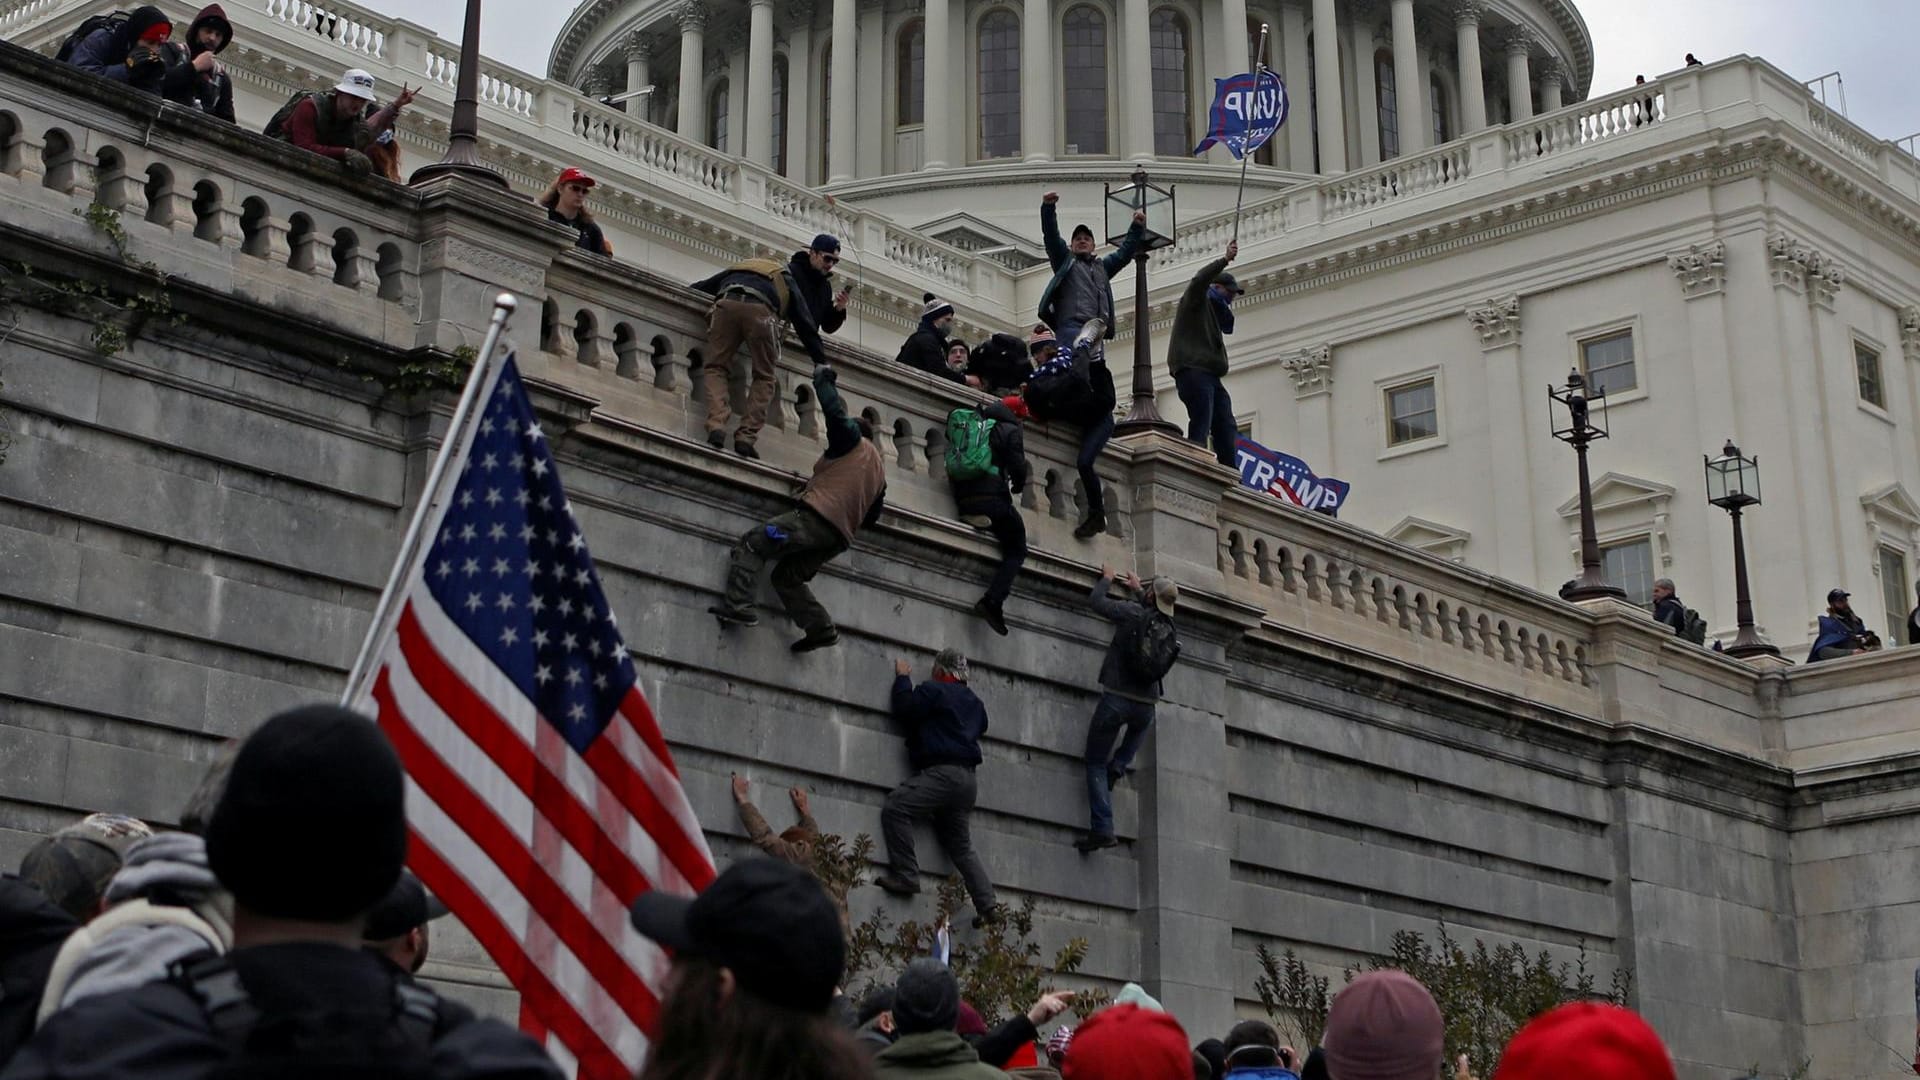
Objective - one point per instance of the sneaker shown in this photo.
(816, 641)
(717, 439)
(992, 916)
(992, 613)
(1115, 777)
(733, 616)
(1094, 842)
(746, 450)
(897, 885)
(1090, 528)
(1093, 330)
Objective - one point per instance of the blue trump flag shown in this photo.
(1247, 109)
(1291, 480)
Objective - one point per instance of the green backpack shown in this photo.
(969, 453)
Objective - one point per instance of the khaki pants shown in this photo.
(730, 324)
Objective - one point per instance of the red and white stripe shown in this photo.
(536, 848)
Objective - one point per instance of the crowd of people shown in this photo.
(277, 934)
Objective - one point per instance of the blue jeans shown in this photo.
(1103, 762)
(1209, 412)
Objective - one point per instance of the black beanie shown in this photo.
(312, 824)
(927, 998)
(142, 18)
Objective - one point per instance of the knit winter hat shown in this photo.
(145, 21)
(1384, 1026)
(1041, 337)
(926, 998)
(968, 1022)
(932, 307)
(1059, 1042)
(312, 824)
(1017, 405)
(1586, 1040)
(1127, 1042)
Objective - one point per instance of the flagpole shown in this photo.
(503, 306)
(1259, 50)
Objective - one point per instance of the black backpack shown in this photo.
(112, 20)
(367, 1040)
(276, 125)
(1151, 646)
(1696, 628)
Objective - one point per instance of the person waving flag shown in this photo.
(542, 798)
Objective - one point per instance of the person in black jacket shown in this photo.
(812, 269)
(309, 835)
(1126, 700)
(566, 203)
(1667, 608)
(926, 347)
(986, 502)
(945, 721)
(195, 76)
(132, 52)
(32, 929)
(1002, 363)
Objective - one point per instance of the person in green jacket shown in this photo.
(1197, 355)
(926, 1006)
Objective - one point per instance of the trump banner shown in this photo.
(1247, 109)
(1289, 479)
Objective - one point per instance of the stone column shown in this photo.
(1409, 90)
(1507, 394)
(800, 90)
(1553, 75)
(1473, 95)
(735, 45)
(845, 92)
(1326, 83)
(639, 50)
(1366, 90)
(1293, 55)
(1037, 63)
(1519, 45)
(870, 154)
(936, 135)
(1702, 273)
(1312, 372)
(1234, 41)
(758, 137)
(1136, 78)
(693, 54)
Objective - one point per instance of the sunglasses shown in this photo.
(831, 260)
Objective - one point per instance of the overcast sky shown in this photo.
(1870, 42)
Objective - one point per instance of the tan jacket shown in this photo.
(843, 489)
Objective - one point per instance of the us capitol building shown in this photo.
(1451, 219)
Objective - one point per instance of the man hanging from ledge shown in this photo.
(1080, 292)
(845, 494)
(751, 299)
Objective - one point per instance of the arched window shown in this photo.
(1437, 94)
(1172, 113)
(910, 74)
(780, 114)
(1389, 106)
(1084, 74)
(999, 84)
(717, 116)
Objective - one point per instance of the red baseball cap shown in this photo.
(571, 175)
(1127, 1042)
(1586, 1040)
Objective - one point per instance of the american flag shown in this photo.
(541, 797)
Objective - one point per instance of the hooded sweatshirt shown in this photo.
(106, 52)
(1195, 341)
(932, 1055)
(163, 906)
(211, 92)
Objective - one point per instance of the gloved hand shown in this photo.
(825, 371)
(357, 163)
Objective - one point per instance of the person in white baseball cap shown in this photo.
(343, 124)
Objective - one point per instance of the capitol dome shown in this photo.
(995, 96)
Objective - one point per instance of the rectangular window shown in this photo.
(1413, 413)
(1608, 362)
(1866, 364)
(1895, 590)
(1388, 103)
(1629, 564)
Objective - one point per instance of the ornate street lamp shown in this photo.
(1121, 203)
(464, 136)
(1578, 432)
(1733, 484)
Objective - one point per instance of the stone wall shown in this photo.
(1360, 739)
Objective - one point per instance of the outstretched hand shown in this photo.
(1050, 1005)
(799, 798)
(1050, 198)
(1133, 581)
(1139, 217)
(407, 94)
(1106, 572)
(740, 788)
(1233, 250)
(901, 667)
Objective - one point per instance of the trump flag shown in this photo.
(1247, 109)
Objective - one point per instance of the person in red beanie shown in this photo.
(1585, 1040)
(986, 463)
(1127, 1042)
(1384, 1026)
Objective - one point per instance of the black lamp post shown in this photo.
(464, 136)
(1579, 431)
(1733, 484)
(1121, 204)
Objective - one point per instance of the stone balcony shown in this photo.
(1360, 739)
